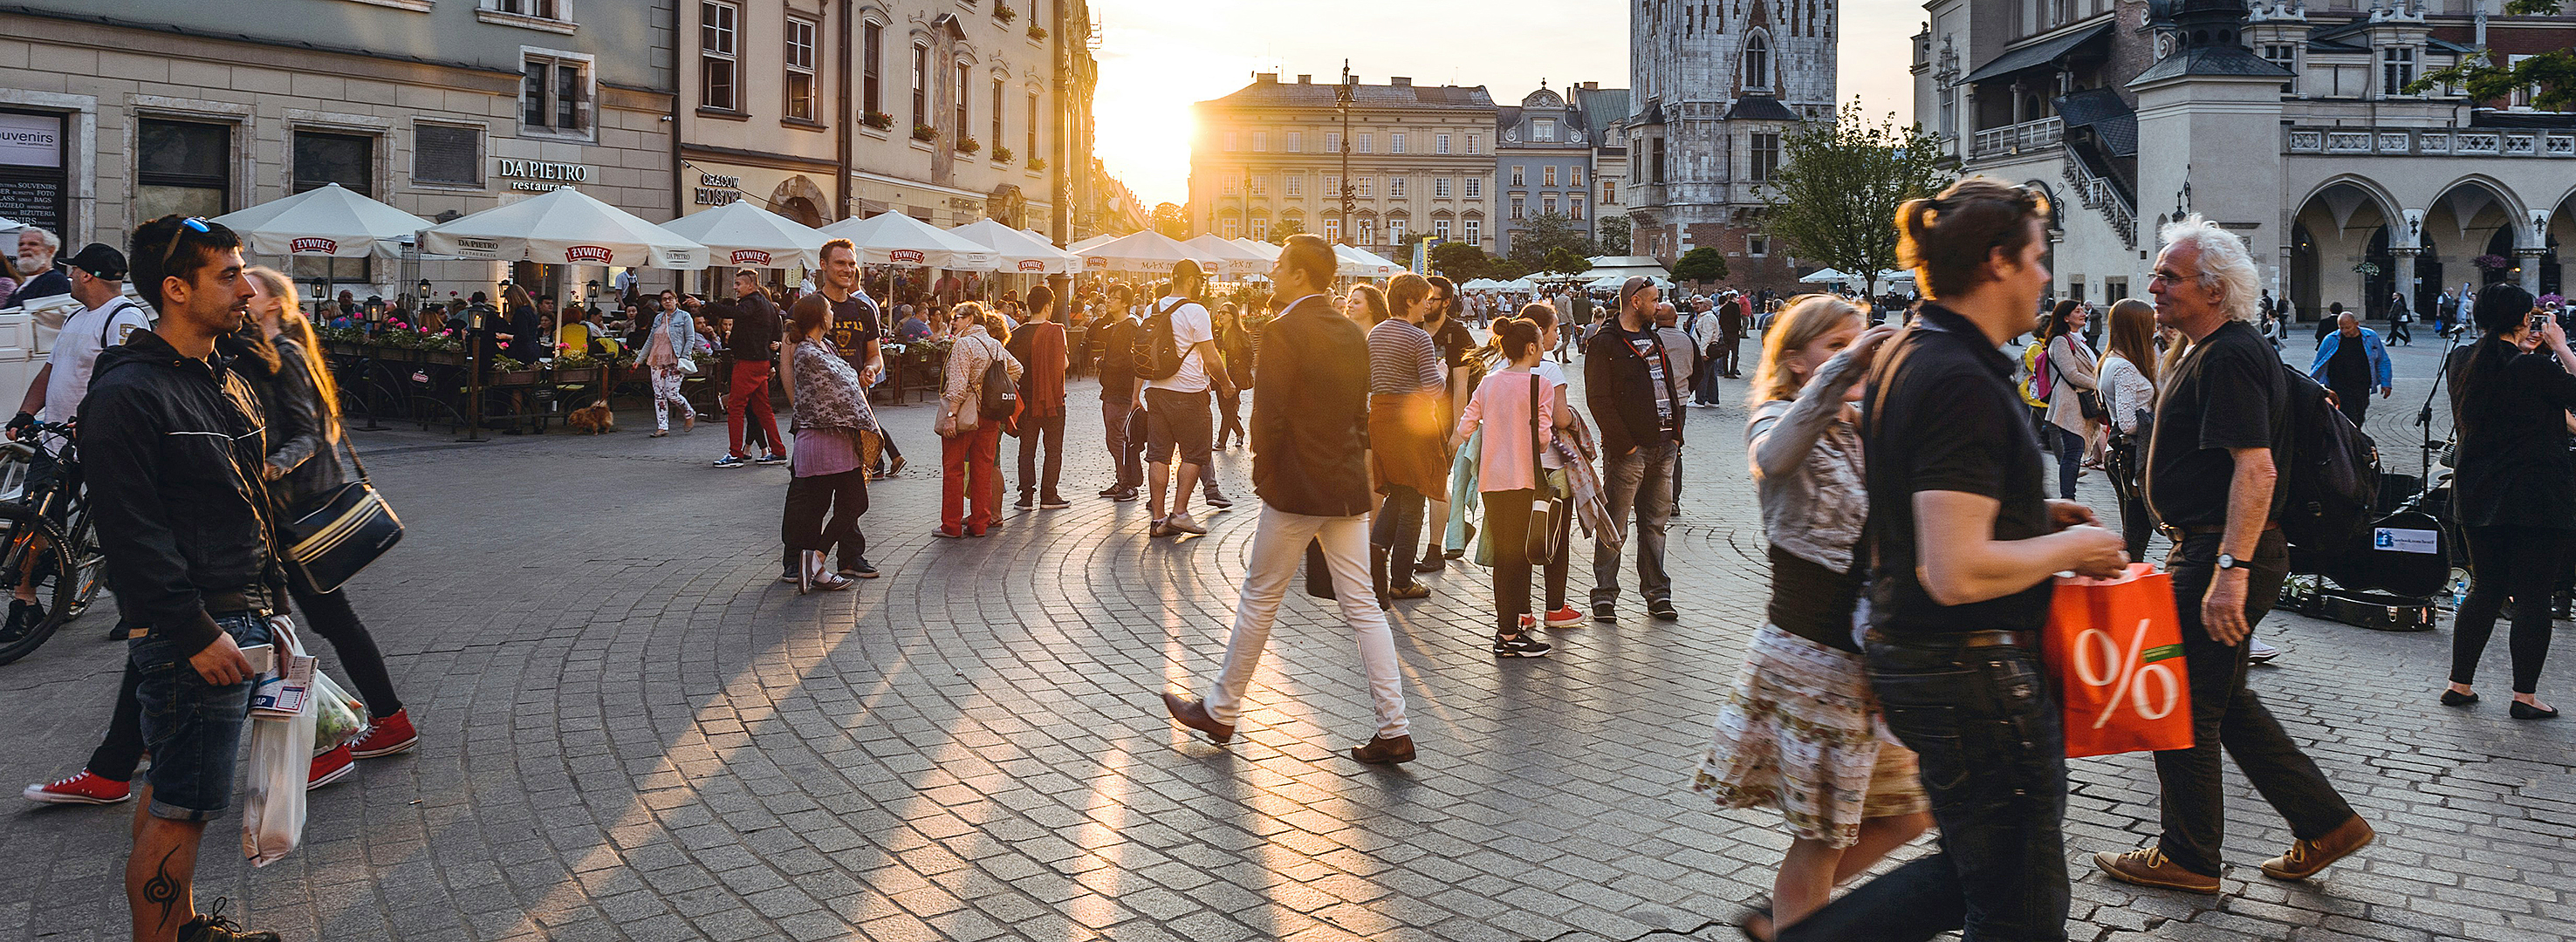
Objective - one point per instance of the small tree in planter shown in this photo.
(1037, 32)
(878, 120)
(1005, 14)
(1037, 163)
(924, 132)
(1002, 155)
(968, 145)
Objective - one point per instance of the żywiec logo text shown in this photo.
(588, 253)
(754, 257)
(306, 246)
(905, 257)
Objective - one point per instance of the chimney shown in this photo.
(1400, 81)
(1305, 80)
(1267, 78)
(1591, 86)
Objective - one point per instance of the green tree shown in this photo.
(1703, 264)
(1566, 260)
(2552, 72)
(1171, 220)
(1460, 262)
(1542, 235)
(1835, 194)
(1281, 230)
(1614, 235)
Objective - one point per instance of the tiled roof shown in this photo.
(1275, 94)
(1602, 107)
(1760, 108)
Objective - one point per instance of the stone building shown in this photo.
(147, 107)
(1715, 86)
(2290, 124)
(1542, 163)
(1421, 162)
(1605, 111)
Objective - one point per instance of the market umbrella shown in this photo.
(1361, 263)
(1267, 251)
(327, 221)
(10, 225)
(1087, 243)
(739, 233)
(1016, 250)
(564, 227)
(897, 239)
(1824, 276)
(1146, 251)
(1227, 257)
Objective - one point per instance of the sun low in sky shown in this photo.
(1158, 57)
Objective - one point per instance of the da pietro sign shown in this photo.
(537, 176)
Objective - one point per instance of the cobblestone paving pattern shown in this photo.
(632, 731)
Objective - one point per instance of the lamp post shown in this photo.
(1342, 103)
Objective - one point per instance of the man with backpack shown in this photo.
(1176, 356)
(2224, 428)
(1117, 359)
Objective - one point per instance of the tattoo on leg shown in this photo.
(163, 891)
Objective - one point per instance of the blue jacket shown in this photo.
(2369, 341)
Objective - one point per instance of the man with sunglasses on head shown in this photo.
(172, 443)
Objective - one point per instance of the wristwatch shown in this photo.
(2228, 562)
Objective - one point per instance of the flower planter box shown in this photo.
(580, 375)
(515, 378)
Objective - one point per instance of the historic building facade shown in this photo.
(1715, 86)
(2289, 124)
(1420, 157)
(1543, 163)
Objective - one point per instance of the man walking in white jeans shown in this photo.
(1309, 434)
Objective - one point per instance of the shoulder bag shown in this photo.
(1547, 504)
(351, 526)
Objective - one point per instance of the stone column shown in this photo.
(2530, 261)
(2405, 259)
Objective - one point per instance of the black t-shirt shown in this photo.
(1454, 341)
(1947, 419)
(2228, 392)
(2349, 367)
(854, 326)
(2515, 469)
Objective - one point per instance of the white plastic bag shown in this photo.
(337, 716)
(281, 757)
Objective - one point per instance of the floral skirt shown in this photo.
(1800, 733)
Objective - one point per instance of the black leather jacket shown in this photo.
(302, 439)
(172, 448)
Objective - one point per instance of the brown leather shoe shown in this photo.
(2307, 857)
(2148, 866)
(1385, 750)
(1188, 711)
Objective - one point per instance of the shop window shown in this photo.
(323, 158)
(182, 167)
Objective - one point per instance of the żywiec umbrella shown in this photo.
(1016, 250)
(897, 239)
(1146, 251)
(564, 227)
(1227, 257)
(1362, 263)
(327, 221)
(739, 233)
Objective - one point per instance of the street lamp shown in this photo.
(1342, 103)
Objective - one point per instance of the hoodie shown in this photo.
(172, 449)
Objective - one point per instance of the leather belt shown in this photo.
(2207, 529)
(1964, 639)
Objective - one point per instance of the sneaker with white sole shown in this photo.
(84, 788)
(2256, 652)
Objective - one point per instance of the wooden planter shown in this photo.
(526, 377)
(580, 375)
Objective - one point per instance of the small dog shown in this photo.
(594, 419)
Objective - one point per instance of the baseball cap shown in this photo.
(100, 260)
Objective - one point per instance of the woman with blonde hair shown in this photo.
(2128, 382)
(1801, 731)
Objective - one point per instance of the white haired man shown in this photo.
(2222, 426)
(40, 276)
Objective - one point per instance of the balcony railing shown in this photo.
(2018, 138)
(2437, 142)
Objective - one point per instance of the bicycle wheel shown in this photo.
(30, 547)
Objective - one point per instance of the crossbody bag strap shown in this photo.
(1538, 474)
(1903, 346)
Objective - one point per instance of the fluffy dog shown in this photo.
(594, 419)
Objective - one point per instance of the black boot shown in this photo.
(1377, 573)
(1432, 561)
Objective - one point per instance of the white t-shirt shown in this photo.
(1190, 326)
(1554, 374)
(76, 350)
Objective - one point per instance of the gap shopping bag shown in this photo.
(2115, 647)
(281, 757)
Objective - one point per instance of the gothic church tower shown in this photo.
(1717, 83)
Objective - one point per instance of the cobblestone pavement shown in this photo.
(631, 730)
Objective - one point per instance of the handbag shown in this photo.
(2114, 647)
(1546, 506)
(352, 526)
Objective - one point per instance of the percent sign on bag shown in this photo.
(2129, 677)
(2115, 649)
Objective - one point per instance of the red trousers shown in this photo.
(970, 468)
(749, 394)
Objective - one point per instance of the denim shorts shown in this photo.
(193, 728)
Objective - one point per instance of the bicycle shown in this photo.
(46, 538)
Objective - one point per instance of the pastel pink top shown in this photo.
(1501, 406)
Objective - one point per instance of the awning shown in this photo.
(2037, 54)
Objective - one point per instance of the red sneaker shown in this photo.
(386, 736)
(330, 767)
(1563, 616)
(82, 789)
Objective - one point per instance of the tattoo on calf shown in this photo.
(164, 891)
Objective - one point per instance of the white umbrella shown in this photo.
(1017, 250)
(1823, 276)
(7, 223)
(1360, 263)
(564, 227)
(1226, 256)
(1082, 244)
(897, 239)
(1267, 251)
(328, 221)
(739, 233)
(1145, 251)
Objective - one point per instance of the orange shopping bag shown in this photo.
(2115, 647)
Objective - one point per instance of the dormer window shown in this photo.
(1543, 129)
(2396, 69)
(1757, 63)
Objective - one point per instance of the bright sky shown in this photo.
(1157, 57)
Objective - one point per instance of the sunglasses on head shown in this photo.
(171, 251)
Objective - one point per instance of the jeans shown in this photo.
(1986, 729)
(192, 728)
(1641, 481)
(2069, 447)
(1278, 546)
(328, 616)
(1124, 455)
(971, 468)
(748, 398)
(1032, 429)
(803, 524)
(1229, 404)
(2523, 562)
(2226, 715)
(1399, 529)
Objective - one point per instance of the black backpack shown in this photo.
(1157, 354)
(1001, 397)
(2332, 473)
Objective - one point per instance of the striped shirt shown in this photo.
(1403, 360)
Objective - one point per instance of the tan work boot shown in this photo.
(2307, 857)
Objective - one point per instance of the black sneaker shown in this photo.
(211, 926)
(772, 459)
(1053, 503)
(1662, 609)
(1027, 501)
(1520, 645)
(1604, 611)
(730, 461)
(24, 616)
(1218, 501)
(858, 570)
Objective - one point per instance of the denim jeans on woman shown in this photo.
(1399, 521)
(1993, 753)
